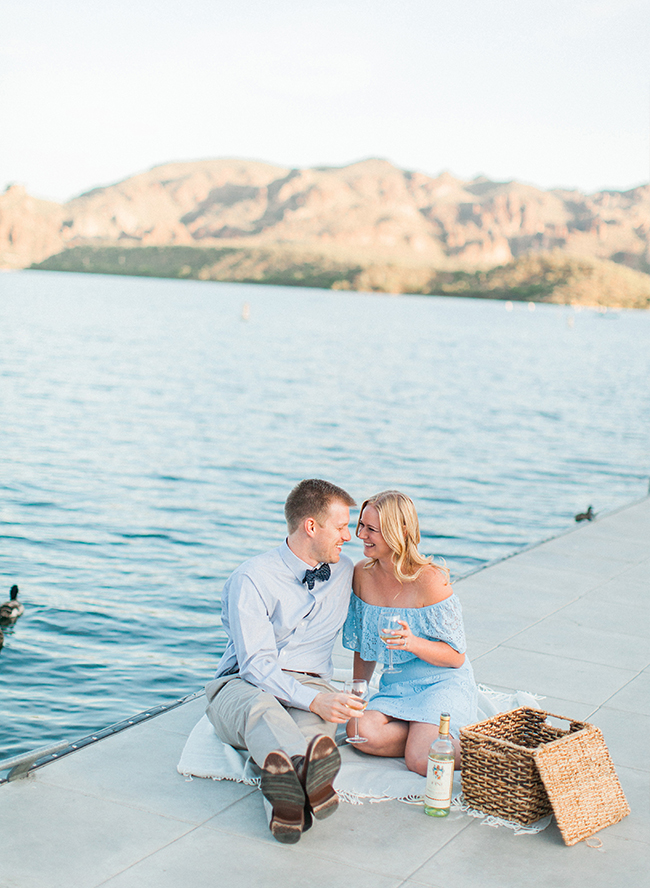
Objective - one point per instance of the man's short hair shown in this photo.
(311, 499)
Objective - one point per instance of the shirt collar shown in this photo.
(296, 565)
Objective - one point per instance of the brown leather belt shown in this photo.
(300, 672)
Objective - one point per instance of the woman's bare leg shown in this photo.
(386, 736)
(420, 738)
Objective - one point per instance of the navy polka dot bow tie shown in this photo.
(317, 573)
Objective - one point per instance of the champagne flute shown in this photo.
(358, 687)
(388, 626)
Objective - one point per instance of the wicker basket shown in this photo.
(518, 767)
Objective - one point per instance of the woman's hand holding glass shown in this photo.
(358, 687)
(403, 637)
(389, 627)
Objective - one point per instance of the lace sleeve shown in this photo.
(361, 631)
(352, 627)
(444, 622)
(437, 622)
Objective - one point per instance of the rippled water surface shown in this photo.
(149, 436)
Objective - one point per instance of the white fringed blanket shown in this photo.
(362, 777)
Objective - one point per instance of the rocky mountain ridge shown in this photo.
(366, 213)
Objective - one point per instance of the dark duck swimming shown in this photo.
(12, 609)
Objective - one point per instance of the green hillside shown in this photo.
(539, 277)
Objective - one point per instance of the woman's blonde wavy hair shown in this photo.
(399, 525)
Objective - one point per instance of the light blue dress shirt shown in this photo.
(275, 623)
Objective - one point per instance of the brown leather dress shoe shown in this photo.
(322, 763)
(282, 787)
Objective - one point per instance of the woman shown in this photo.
(429, 648)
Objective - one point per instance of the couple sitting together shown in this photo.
(282, 612)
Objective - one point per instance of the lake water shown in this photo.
(149, 435)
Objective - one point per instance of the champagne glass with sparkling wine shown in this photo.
(358, 687)
(388, 626)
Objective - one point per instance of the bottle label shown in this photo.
(440, 777)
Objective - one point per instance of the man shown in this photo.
(282, 611)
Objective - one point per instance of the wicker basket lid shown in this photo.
(581, 783)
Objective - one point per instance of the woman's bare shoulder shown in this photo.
(360, 569)
(362, 580)
(434, 585)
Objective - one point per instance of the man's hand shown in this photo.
(337, 708)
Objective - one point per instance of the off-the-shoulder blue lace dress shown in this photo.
(419, 691)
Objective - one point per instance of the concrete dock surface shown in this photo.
(568, 619)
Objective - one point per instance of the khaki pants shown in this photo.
(248, 718)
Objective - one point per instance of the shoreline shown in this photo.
(552, 277)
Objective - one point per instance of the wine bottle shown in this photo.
(440, 772)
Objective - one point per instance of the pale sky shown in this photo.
(551, 92)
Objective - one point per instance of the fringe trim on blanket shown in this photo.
(247, 781)
(459, 803)
(355, 798)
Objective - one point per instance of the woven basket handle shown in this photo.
(573, 724)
